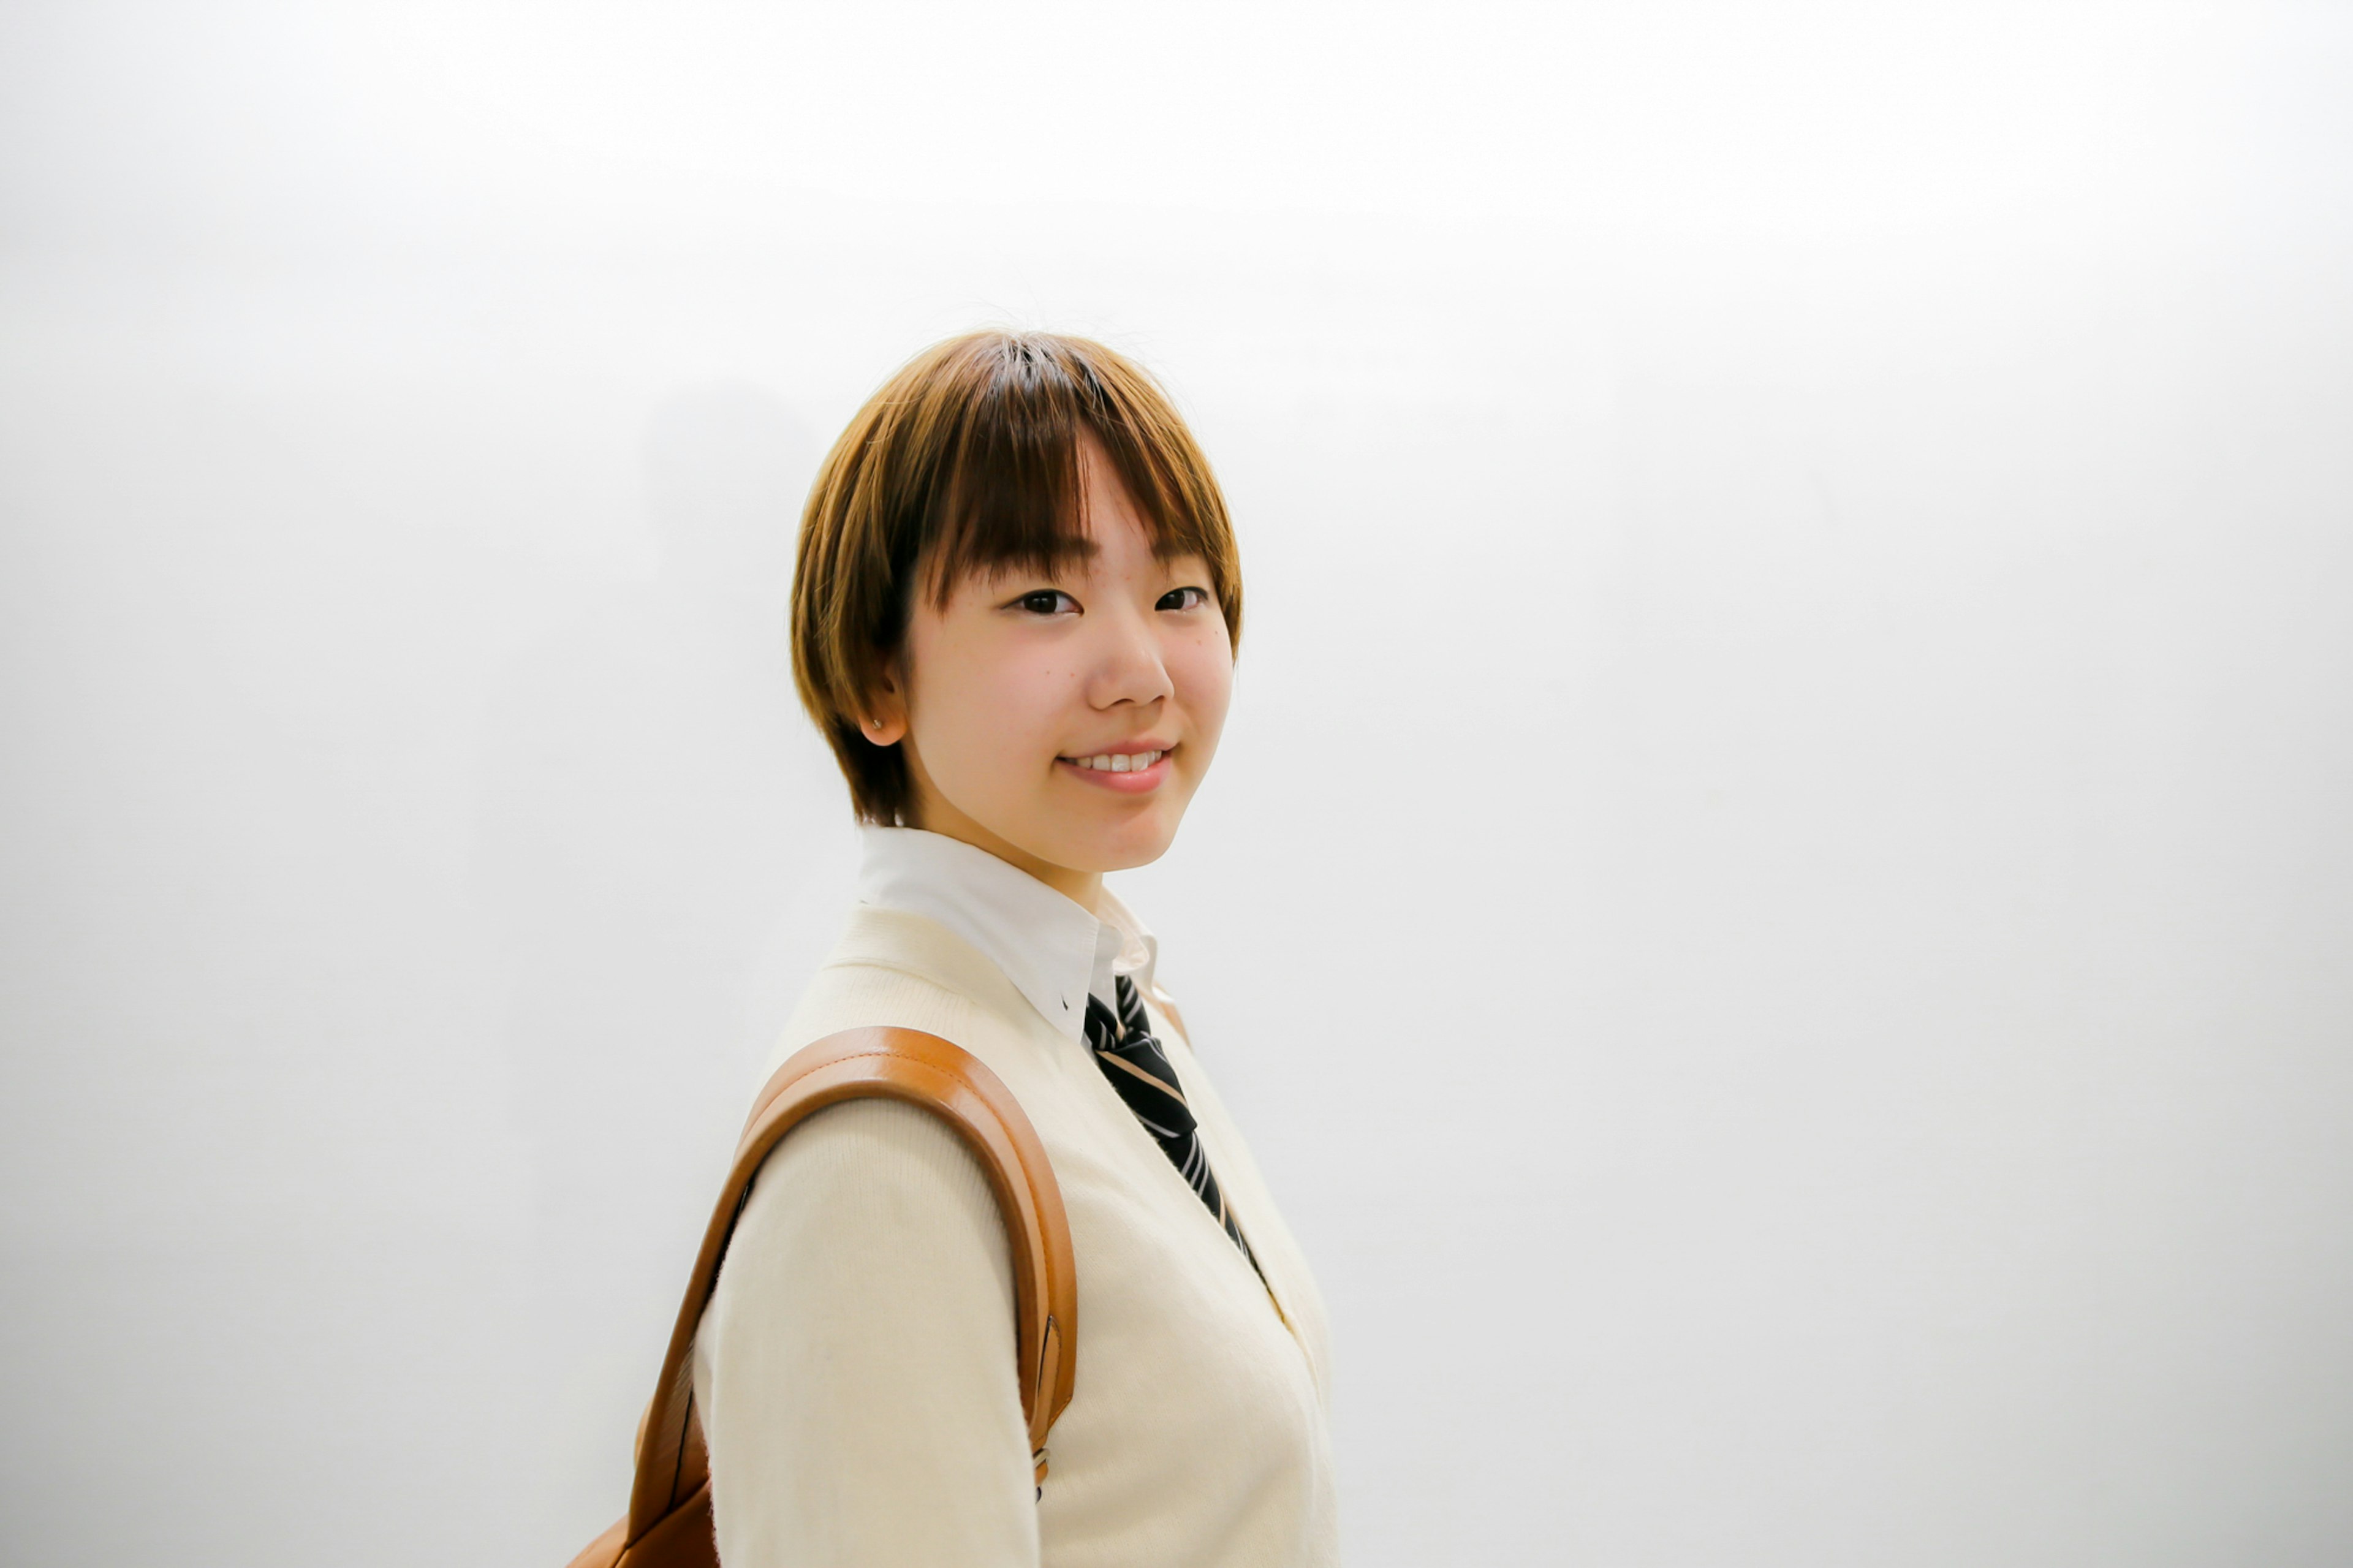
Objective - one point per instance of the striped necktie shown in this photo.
(1139, 1070)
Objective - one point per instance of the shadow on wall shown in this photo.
(648, 784)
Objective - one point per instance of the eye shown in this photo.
(1188, 598)
(1046, 601)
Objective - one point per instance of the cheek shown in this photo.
(981, 715)
(1203, 674)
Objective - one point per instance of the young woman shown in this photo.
(1014, 616)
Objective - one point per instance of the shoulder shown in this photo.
(898, 968)
(862, 1204)
(891, 1181)
(909, 971)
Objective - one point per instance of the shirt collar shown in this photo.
(1054, 951)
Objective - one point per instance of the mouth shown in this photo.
(1129, 773)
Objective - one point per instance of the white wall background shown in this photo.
(1793, 756)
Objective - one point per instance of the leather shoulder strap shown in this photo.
(920, 1069)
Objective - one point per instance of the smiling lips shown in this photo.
(1127, 772)
(1118, 762)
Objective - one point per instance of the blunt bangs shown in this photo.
(1015, 490)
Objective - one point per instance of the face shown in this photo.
(1062, 721)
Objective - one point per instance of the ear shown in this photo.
(884, 723)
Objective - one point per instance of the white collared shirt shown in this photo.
(1055, 951)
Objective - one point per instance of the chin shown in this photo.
(1141, 858)
(1121, 849)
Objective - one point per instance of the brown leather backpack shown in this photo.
(668, 1521)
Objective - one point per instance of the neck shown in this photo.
(1083, 888)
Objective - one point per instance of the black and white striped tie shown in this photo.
(1139, 1070)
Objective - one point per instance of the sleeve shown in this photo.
(855, 1369)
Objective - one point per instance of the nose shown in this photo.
(1126, 665)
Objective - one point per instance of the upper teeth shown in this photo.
(1129, 763)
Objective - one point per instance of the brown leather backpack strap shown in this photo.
(673, 1468)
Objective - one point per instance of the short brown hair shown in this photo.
(968, 460)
